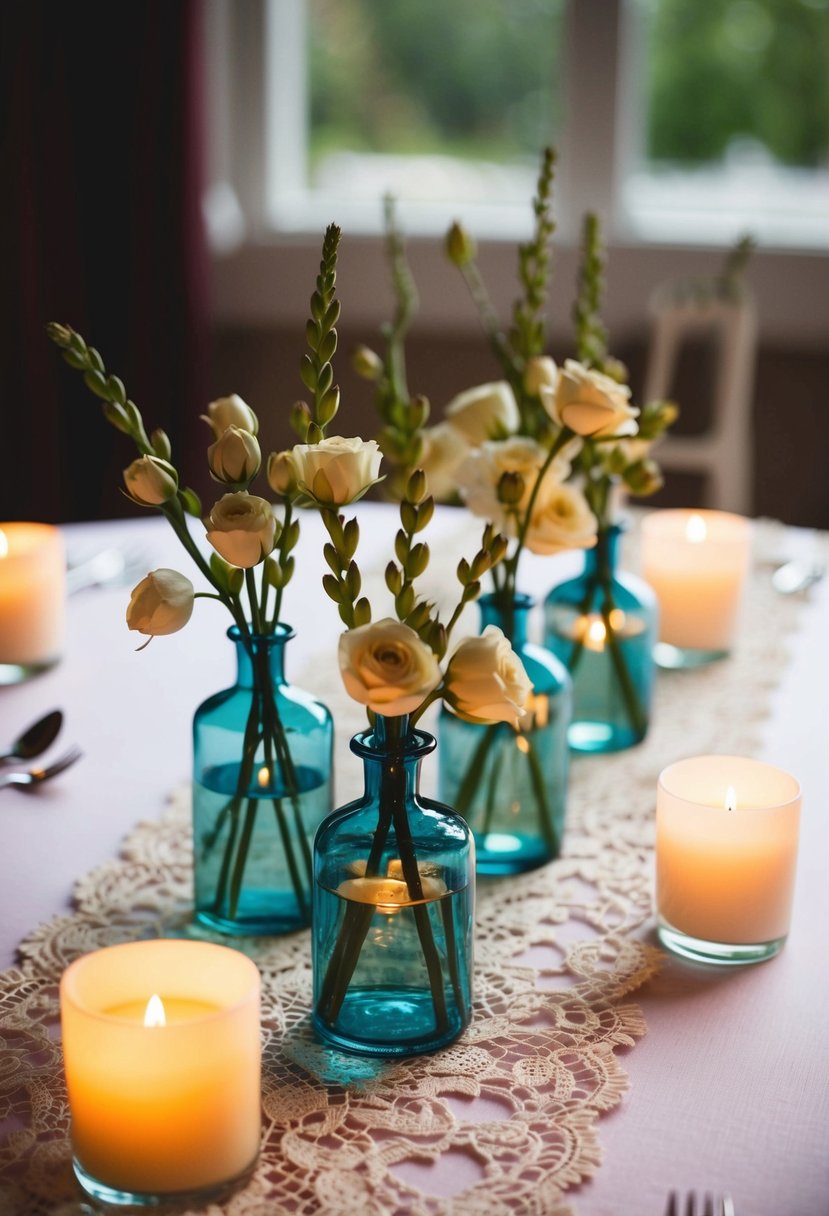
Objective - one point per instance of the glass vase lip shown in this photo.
(281, 632)
(412, 746)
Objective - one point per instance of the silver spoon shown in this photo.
(797, 574)
(36, 738)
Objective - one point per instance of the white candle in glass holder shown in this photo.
(696, 562)
(161, 1050)
(726, 850)
(32, 594)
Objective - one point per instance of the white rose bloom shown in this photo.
(590, 403)
(336, 471)
(161, 603)
(540, 373)
(484, 412)
(386, 666)
(561, 520)
(150, 481)
(235, 456)
(479, 474)
(443, 450)
(230, 411)
(486, 680)
(241, 528)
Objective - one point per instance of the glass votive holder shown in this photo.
(726, 851)
(696, 562)
(162, 1055)
(32, 599)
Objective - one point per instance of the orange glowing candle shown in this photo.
(32, 595)
(162, 1057)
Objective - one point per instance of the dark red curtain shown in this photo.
(101, 147)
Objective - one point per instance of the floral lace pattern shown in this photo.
(511, 1111)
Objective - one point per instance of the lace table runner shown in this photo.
(511, 1110)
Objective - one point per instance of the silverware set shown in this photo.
(32, 742)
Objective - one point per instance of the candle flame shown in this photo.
(522, 744)
(695, 529)
(596, 634)
(731, 799)
(154, 1014)
(4, 544)
(263, 776)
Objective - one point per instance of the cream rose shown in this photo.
(443, 450)
(281, 477)
(485, 412)
(150, 481)
(486, 680)
(161, 603)
(241, 528)
(590, 403)
(386, 666)
(230, 411)
(561, 520)
(336, 471)
(235, 456)
(479, 475)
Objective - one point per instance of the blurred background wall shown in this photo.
(137, 164)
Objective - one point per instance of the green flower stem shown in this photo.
(466, 793)
(255, 615)
(242, 856)
(491, 792)
(545, 818)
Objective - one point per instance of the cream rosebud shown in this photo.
(561, 520)
(235, 456)
(486, 680)
(150, 481)
(590, 403)
(387, 667)
(488, 411)
(241, 528)
(281, 473)
(336, 471)
(540, 373)
(443, 450)
(161, 603)
(230, 411)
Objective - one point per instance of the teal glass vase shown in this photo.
(394, 889)
(262, 756)
(603, 626)
(511, 784)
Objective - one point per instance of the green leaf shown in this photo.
(408, 517)
(325, 378)
(401, 547)
(95, 359)
(394, 578)
(117, 392)
(332, 588)
(351, 537)
(312, 334)
(362, 612)
(220, 571)
(332, 557)
(95, 381)
(308, 372)
(328, 346)
(417, 561)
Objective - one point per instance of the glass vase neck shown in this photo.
(510, 613)
(391, 753)
(260, 655)
(604, 556)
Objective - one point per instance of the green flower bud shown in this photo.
(366, 363)
(460, 246)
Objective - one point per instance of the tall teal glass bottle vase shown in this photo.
(393, 908)
(603, 626)
(511, 785)
(261, 786)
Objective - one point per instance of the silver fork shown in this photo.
(707, 1206)
(34, 776)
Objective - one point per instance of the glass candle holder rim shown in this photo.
(413, 745)
(739, 525)
(773, 804)
(282, 632)
(70, 977)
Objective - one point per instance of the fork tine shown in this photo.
(691, 1204)
(672, 1205)
(708, 1207)
(728, 1206)
(61, 763)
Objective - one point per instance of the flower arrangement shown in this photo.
(252, 561)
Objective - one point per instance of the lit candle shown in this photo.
(162, 1056)
(726, 850)
(696, 562)
(32, 596)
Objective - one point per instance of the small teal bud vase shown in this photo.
(511, 784)
(394, 889)
(603, 626)
(261, 787)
